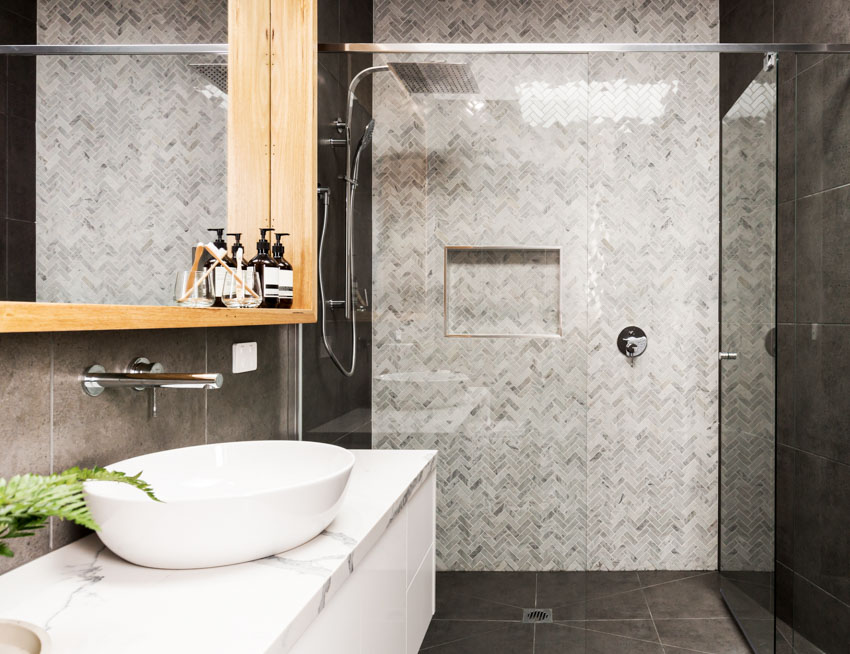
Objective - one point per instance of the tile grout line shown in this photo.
(652, 618)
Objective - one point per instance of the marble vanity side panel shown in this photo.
(25, 427)
(248, 405)
(117, 425)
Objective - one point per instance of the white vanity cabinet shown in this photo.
(386, 604)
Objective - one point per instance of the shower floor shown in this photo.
(652, 612)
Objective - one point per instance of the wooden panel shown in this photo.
(45, 317)
(294, 204)
(249, 120)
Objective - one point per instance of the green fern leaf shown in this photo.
(27, 501)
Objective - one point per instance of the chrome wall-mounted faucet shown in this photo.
(142, 374)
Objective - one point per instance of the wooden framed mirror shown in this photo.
(133, 132)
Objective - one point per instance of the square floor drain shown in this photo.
(537, 615)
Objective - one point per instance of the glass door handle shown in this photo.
(725, 356)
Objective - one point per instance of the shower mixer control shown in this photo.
(632, 342)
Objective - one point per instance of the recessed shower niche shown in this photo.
(503, 291)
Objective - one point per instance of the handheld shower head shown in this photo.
(367, 135)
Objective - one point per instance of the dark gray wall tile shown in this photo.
(819, 618)
(785, 264)
(24, 404)
(823, 125)
(822, 386)
(786, 149)
(329, 21)
(814, 21)
(25, 428)
(25, 8)
(21, 91)
(20, 257)
(15, 28)
(20, 175)
(247, 406)
(821, 537)
(823, 267)
(784, 594)
(785, 505)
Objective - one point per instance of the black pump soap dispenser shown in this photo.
(285, 280)
(219, 273)
(267, 269)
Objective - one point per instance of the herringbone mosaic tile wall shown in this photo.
(131, 166)
(555, 453)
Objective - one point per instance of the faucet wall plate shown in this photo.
(92, 388)
(632, 342)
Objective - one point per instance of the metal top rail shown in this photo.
(117, 49)
(579, 48)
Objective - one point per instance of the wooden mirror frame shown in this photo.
(271, 176)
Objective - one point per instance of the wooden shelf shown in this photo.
(47, 317)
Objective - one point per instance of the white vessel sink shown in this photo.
(221, 504)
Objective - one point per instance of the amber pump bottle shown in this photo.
(267, 269)
(219, 273)
(285, 279)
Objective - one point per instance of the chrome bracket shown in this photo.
(770, 59)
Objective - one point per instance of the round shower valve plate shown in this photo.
(632, 342)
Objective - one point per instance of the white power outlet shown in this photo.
(244, 357)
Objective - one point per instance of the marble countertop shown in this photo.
(91, 601)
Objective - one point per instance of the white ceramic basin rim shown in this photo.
(221, 504)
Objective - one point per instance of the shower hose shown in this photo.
(348, 372)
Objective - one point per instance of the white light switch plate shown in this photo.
(244, 357)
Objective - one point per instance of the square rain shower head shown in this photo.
(435, 78)
(215, 73)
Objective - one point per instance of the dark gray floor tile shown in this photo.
(637, 629)
(655, 577)
(441, 632)
(715, 635)
(484, 595)
(556, 589)
(696, 597)
(563, 639)
(602, 584)
(622, 606)
(510, 638)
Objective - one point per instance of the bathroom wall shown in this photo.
(17, 155)
(813, 459)
(131, 151)
(555, 452)
(336, 409)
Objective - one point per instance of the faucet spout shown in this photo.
(142, 374)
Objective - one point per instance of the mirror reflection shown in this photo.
(116, 164)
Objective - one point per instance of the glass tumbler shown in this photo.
(193, 289)
(237, 295)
